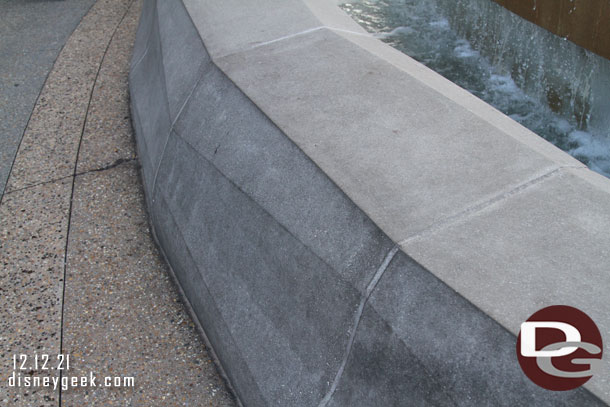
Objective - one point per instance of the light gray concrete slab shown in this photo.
(326, 12)
(546, 245)
(32, 25)
(19, 88)
(466, 100)
(406, 154)
(233, 25)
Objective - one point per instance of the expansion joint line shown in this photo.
(369, 290)
(74, 175)
(468, 212)
(308, 31)
(169, 134)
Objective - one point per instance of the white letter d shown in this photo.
(528, 338)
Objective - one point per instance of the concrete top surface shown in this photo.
(503, 217)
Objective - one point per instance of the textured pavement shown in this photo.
(80, 272)
(31, 35)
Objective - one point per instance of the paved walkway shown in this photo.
(32, 33)
(80, 273)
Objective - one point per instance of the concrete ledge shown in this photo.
(287, 155)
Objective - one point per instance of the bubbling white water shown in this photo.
(551, 86)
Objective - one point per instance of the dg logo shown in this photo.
(559, 348)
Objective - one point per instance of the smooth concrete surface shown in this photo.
(556, 251)
(286, 155)
(352, 131)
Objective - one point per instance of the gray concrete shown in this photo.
(31, 35)
(421, 344)
(352, 131)
(285, 156)
(530, 250)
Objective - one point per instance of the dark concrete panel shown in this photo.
(183, 53)
(202, 301)
(149, 99)
(383, 371)
(288, 311)
(224, 126)
(145, 29)
(147, 171)
(457, 349)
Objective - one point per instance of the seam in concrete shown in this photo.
(115, 164)
(472, 210)
(286, 37)
(171, 128)
(251, 198)
(343, 30)
(298, 34)
(74, 174)
(164, 84)
(147, 42)
(191, 310)
(143, 54)
(369, 290)
(409, 349)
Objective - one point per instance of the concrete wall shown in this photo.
(348, 227)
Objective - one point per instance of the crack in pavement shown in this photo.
(115, 164)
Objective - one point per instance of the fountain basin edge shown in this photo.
(285, 155)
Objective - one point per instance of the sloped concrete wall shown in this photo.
(304, 298)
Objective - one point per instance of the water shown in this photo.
(551, 86)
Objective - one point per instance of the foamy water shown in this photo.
(424, 31)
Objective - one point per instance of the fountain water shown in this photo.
(550, 85)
